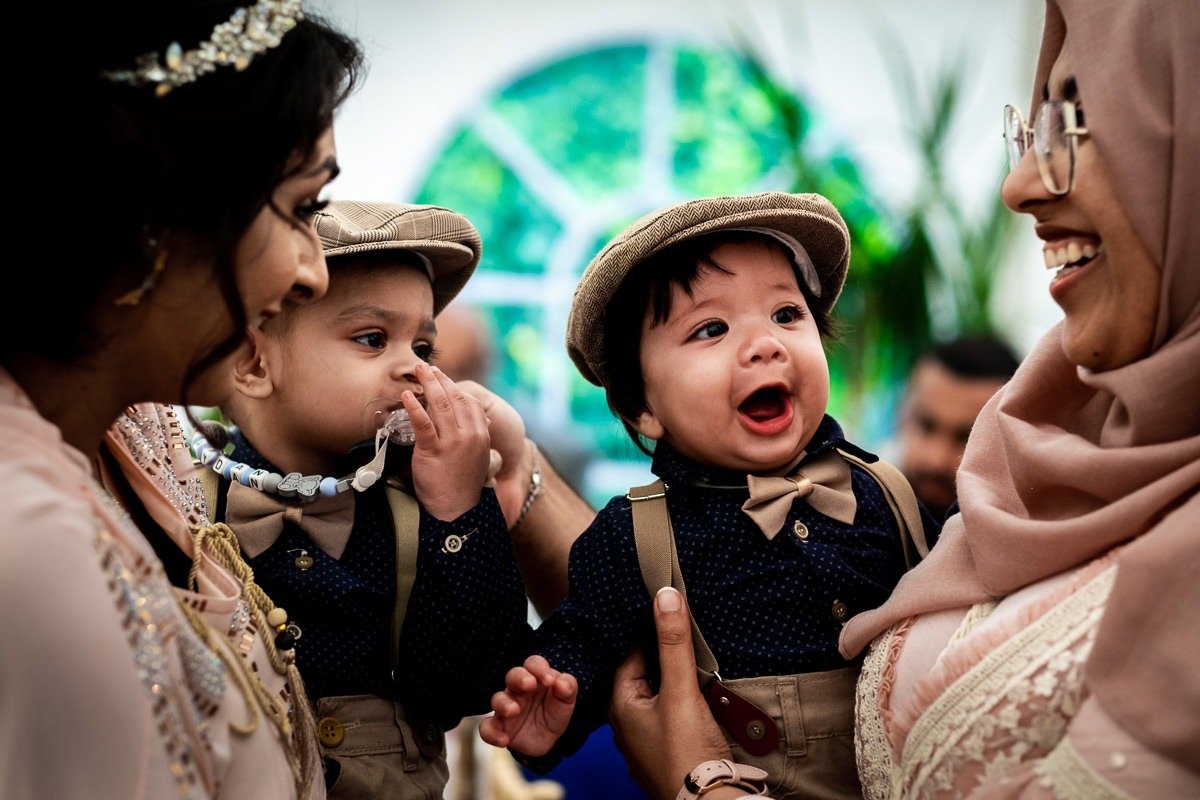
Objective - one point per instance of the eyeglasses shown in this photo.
(1054, 138)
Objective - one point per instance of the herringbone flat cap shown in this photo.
(445, 238)
(808, 218)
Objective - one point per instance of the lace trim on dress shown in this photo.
(872, 702)
(977, 614)
(1010, 708)
(1069, 777)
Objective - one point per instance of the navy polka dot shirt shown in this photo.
(765, 607)
(466, 621)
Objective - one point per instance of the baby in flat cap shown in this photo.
(704, 323)
(405, 604)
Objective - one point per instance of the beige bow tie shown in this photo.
(824, 482)
(257, 519)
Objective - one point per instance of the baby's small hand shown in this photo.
(452, 453)
(533, 710)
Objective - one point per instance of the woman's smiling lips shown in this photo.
(1067, 252)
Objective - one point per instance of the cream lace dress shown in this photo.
(991, 702)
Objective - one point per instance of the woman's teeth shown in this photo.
(1073, 254)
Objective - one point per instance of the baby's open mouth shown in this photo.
(765, 404)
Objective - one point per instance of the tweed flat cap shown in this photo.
(446, 239)
(810, 219)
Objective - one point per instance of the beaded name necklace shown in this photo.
(306, 488)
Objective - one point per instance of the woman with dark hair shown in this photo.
(137, 656)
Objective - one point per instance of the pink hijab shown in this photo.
(1065, 464)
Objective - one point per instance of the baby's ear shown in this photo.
(648, 425)
(251, 367)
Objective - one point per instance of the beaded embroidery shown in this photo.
(143, 437)
(145, 432)
(150, 618)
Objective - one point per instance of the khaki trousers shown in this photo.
(372, 751)
(815, 715)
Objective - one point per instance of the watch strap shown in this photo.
(710, 775)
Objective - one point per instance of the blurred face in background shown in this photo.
(939, 410)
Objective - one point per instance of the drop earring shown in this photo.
(159, 263)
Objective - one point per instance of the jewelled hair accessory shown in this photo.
(248, 33)
(397, 428)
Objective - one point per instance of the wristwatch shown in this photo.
(714, 774)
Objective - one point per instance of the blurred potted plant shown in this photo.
(918, 273)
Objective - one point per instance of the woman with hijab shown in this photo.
(1048, 645)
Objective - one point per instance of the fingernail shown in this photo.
(668, 599)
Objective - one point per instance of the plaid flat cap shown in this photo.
(809, 219)
(446, 240)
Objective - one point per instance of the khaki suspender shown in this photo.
(903, 502)
(210, 484)
(659, 561)
(406, 519)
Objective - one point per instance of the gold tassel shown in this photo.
(299, 735)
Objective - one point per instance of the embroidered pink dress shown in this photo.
(106, 689)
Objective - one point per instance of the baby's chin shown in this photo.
(763, 463)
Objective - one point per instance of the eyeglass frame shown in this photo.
(1071, 131)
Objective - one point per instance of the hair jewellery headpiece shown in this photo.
(250, 32)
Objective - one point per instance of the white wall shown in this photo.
(431, 63)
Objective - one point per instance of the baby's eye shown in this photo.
(425, 352)
(788, 315)
(374, 339)
(710, 330)
(305, 211)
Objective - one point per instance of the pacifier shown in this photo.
(397, 426)
(385, 422)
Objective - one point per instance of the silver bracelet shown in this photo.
(535, 489)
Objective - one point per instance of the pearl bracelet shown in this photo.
(535, 489)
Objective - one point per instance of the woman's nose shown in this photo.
(1023, 188)
(312, 275)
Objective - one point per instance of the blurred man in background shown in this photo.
(947, 389)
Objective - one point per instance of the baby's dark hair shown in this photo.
(648, 288)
